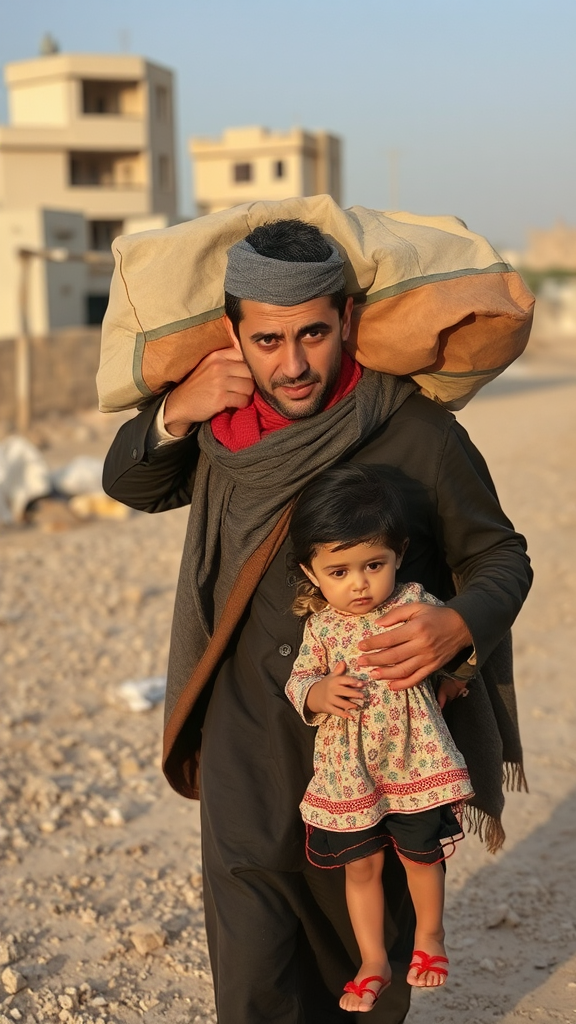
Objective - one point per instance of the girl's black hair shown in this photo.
(351, 504)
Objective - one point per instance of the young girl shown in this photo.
(386, 769)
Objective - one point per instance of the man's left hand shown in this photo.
(424, 639)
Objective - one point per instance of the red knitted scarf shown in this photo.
(240, 428)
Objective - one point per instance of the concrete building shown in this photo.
(248, 164)
(56, 290)
(89, 134)
(551, 248)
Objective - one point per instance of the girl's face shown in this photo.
(356, 579)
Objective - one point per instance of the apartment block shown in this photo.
(551, 248)
(89, 133)
(248, 164)
(93, 135)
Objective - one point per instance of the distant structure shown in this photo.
(550, 249)
(247, 164)
(89, 134)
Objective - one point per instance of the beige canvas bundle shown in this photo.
(432, 299)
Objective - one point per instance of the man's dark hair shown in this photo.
(349, 504)
(293, 241)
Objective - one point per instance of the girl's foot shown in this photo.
(429, 967)
(361, 994)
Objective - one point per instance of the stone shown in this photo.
(97, 506)
(68, 1001)
(147, 936)
(497, 915)
(114, 818)
(487, 965)
(8, 950)
(13, 981)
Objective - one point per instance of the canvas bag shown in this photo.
(432, 299)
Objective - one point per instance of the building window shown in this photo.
(90, 170)
(103, 170)
(162, 103)
(164, 173)
(96, 306)
(103, 233)
(100, 97)
(279, 169)
(242, 172)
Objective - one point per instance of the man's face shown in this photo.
(293, 352)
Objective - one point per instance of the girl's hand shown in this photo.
(335, 694)
(449, 689)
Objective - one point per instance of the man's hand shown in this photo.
(425, 638)
(220, 381)
(335, 694)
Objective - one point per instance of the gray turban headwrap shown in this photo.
(279, 282)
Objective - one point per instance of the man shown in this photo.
(238, 438)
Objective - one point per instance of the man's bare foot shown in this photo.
(429, 967)
(372, 978)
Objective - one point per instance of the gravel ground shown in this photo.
(100, 891)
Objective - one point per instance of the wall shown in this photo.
(42, 103)
(56, 290)
(64, 366)
(161, 141)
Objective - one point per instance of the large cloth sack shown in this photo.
(433, 300)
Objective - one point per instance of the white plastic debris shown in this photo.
(82, 475)
(143, 694)
(24, 476)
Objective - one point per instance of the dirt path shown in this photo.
(92, 841)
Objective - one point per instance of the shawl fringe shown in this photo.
(514, 778)
(489, 829)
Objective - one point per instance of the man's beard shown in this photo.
(294, 412)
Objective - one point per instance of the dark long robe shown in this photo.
(279, 936)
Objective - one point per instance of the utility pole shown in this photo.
(23, 341)
(22, 352)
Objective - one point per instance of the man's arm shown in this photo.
(489, 560)
(149, 478)
(156, 477)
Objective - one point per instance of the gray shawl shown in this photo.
(238, 519)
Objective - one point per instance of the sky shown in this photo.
(473, 102)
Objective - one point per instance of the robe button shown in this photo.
(292, 579)
(285, 650)
(134, 453)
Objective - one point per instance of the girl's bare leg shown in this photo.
(426, 885)
(365, 899)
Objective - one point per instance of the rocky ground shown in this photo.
(100, 890)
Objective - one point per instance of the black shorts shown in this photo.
(424, 836)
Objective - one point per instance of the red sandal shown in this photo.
(360, 989)
(428, 963)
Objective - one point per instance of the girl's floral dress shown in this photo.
(396, 755)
